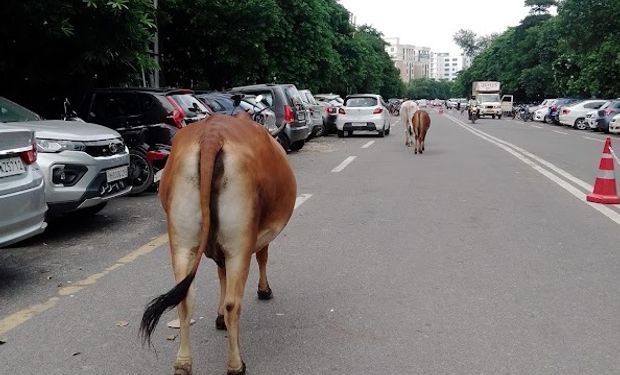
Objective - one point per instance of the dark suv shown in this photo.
(286, 102)
(127, 107)
(606, 113)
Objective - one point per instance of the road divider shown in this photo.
(559, 176)
(344, 164)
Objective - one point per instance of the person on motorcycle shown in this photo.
(472, 106)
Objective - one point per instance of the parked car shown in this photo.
(555, 108)
(219, 102)
(22, 188)
(605, 113)
(363, 112)
(260, 112)
(332, 102)
(315, 112)
(575, 114)
(147, 119)
(542, 110)
(422, 103)
(285, 101)
(614, 124)
(84, 165)
(591, 117)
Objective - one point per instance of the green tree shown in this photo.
(540, 6)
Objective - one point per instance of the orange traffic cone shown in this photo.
(605, 184)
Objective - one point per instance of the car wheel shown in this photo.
(499, 117)
(493, 117)
(140, 171)
(321, 131)
(340, 133)
(546, 120)
(296, 146)
(283, 141)
(580, 124)
(350, 133)
(387, 131)
(381, 133)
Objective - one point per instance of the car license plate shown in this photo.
(117, 173)
(359, 124)
(11, 166)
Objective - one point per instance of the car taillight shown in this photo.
(377, 111)
(609, 111)
(289, 116)
(342, 111)
(30, 156)
(565, 110)
(177, 114)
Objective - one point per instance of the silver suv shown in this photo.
(84, 165)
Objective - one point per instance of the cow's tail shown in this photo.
(210, 148)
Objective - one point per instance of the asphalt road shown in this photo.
(478, 257)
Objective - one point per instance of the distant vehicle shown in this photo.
(487, 94)
(331, 102)
(22, 188)
(84, 164)
(605, 113)
(614, 124)
(574, 115)
(363, 112)
(315, 113)
(285, 101)
(422, 103)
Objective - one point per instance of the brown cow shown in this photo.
(228, 191)
(420, 121)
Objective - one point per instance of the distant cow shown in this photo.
(421, 121)
(407, 109)
(228, 191)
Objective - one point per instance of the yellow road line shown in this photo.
(18, 318)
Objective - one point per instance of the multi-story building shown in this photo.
(413, 62)
(419, 62)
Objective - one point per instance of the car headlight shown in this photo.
(53, 145)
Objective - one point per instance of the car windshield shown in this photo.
(361, 102)
(485, 98)
(188, 103)
(12, 112)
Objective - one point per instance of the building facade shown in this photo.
(412, 61)
(415, 62)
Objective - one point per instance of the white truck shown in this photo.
(487, 95)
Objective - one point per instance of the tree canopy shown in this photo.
(574, 53)
(61, 46)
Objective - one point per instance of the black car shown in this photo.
(285, 101)
(606, 113)
(219, 102)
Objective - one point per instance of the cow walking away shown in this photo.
(407, 109)
(227, 191)
(421, 121)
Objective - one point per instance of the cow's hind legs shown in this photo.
(182, 261)
(264, 291)
(236, 276)
(219, 322)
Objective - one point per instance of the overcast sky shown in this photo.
(431, 23)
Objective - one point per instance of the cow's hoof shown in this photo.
(220, 323)
(265, 294)
(183, 369)
(241, 371)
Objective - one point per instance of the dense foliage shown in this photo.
(574, 53)
(59, 46)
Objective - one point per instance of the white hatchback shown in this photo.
(614, 124)
(363, 112)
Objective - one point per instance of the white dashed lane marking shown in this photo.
(344, 164)
(368, 144)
